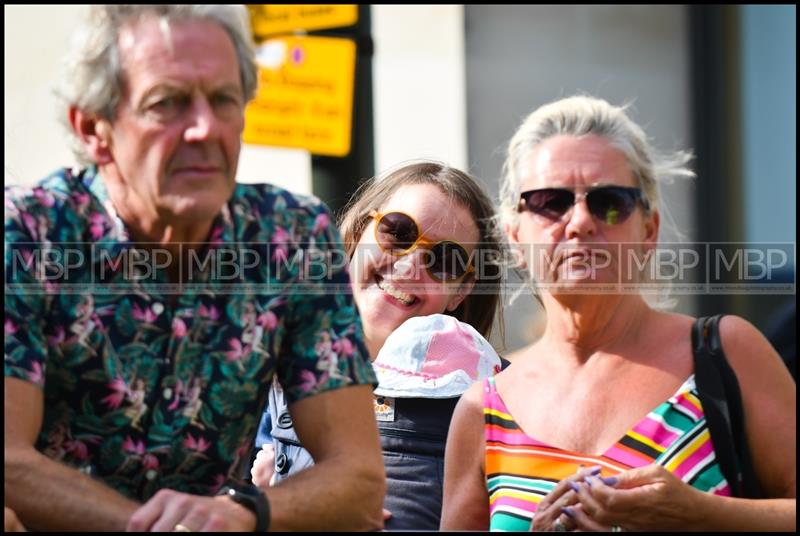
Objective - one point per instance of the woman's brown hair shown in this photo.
(481, 306)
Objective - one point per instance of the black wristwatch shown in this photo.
(250, 497)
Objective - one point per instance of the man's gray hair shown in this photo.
(582, 116)
(92, 71)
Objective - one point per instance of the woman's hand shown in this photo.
(264, 466)
(550, 514)
(643, 499)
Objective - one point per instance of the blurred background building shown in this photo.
(453, 82)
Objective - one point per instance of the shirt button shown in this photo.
(167, 393)
(158, 308)
(285, 420)
(151, 474)
(282, 464)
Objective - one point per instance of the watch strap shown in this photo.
(252, 498)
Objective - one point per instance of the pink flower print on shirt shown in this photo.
(143, 315)
(177, 396)
(237, 351)
(96, 230)
(149, 462)
(132, 447)
(308, 381)
(44, 197)
(280, 239)
(36, 375)
(343, 346)
(199, 445)
(81, 200)
(77, 448)
(120, 389)
(320, 223)
(10, 328)
(51, 287)
(215, 238)
(268, 320)
(178, 328)
(210, 312)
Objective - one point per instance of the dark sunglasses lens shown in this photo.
(612, 205)
(551, 203)
(448, 261)
(396, 232)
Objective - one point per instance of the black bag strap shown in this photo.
(721, 398)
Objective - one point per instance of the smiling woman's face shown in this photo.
(388, 289)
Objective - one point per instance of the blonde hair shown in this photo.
(583, 116)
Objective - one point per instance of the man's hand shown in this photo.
(169, 509)
(12, 524)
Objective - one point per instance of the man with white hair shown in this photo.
(136, 374)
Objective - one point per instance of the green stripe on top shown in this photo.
(674, 418)
(510, 522)
(521, 483)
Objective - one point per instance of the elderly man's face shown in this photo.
(175, 140)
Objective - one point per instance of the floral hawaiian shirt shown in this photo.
(155, 382)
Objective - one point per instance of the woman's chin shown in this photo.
(582, 283)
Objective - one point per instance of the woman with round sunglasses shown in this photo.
(598, 425)
(422, 240)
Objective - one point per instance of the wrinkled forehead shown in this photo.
(151, 37)
(143, 34)
(154, 50)
(572, 161)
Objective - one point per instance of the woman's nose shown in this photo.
(409, 266)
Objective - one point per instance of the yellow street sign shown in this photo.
(305, 95)
(272, 19)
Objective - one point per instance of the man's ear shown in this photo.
(94, 133)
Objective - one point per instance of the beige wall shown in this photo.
(419, 85)
(34, 141)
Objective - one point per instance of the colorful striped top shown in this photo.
(520, 470)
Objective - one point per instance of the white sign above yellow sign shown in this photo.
(305, 94)
(271, 19)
